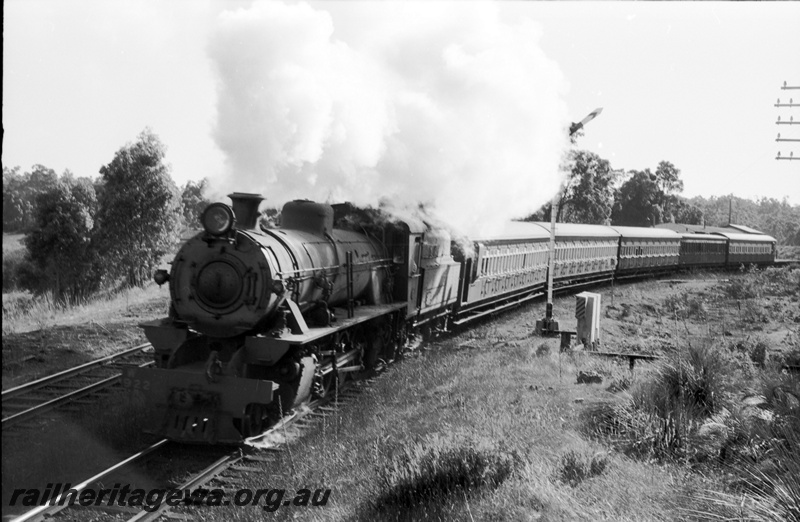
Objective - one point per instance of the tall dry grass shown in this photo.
(698, 410)
(24, 311)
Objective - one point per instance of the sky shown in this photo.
(462, 105)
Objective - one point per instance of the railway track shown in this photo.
(223, 473)
(35, 398)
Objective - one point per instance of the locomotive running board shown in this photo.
(266, 349)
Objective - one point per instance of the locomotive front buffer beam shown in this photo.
(189, 406)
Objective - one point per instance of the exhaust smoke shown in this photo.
(400, 105)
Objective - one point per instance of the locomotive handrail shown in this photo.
(386, 261)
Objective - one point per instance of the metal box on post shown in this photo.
(587, 312)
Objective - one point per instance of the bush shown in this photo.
(768, 282)
(543, 350)
(575, 467)
(16, 304)
(693, 380)
(758, 353)
(664, 409)
(12, 262)
(432, 472)
(762, 453)
(685, 305)
(754, 349)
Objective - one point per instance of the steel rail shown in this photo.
(231, 459)
(44, 381)
(198, 480)
(60, 503)
(63, 399)
(54, 506)
(20, 391)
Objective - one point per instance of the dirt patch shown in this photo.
(33, 354)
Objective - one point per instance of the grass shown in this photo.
(12, 261)
(685, 305)
(577, 467)
(23, 311)
(12, 242)
(41, 337)
(690, 410)
(440, 471)
(751, 283)
(478, 430)
(490, 424)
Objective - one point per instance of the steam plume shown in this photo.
(441, 104)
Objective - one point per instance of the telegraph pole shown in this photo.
(548, 325)
(790, 122)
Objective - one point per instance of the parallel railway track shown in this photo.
(224, 469)
(35, 398)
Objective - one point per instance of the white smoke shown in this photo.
(440, 104)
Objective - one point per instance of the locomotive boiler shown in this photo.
(260, 319)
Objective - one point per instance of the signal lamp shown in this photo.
(218, 219)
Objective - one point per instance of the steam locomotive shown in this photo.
(262, 319)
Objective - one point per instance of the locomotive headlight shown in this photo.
(217, 219)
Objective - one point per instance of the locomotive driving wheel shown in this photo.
(326, 384)
(360, 342)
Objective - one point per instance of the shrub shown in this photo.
(758, 353)
(543, 350)
(620, 383)
(770, 281)
(17, 304)
(754, 314)
(685, 305)
(764, 473)
(576, 467)
(664, 409)
(693, 380)
(430, 472)
(12, 261)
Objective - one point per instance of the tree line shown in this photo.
(594, 193)
(83, 235)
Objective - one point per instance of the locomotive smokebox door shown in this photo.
(587, 312)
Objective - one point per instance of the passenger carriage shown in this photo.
(584, 252)
(745, 249)
(504, 270)
(647, 250)
(703, 250)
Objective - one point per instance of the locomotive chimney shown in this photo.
(245, 207)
